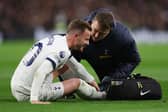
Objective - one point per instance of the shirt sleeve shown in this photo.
(123, 71)
(125, 68)
(52, 62)
(39, 77)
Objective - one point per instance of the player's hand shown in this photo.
(94, 84)
(39, 102)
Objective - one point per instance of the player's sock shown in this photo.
(89, 92)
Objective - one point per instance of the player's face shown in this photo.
(97, 34)
(83, 39)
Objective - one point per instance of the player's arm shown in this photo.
(45, 68)
(83, 73)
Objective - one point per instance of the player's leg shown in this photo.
(68, 75)
(84, 90)
(53, 91)
(57, 90)
(89, 92)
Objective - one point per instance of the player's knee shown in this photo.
(75, 82)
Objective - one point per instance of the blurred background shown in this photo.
(24, 20)
(35, 19)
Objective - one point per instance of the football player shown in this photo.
(32, 79)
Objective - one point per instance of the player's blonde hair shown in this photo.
(79, 25)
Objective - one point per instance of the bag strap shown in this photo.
(138, 76)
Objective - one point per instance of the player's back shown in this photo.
(48, 47)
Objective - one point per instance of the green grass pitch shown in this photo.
(154, 63)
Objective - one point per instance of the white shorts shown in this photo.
(51, 92)
(48, 92)
(20, 93)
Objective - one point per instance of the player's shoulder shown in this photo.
(61, 43)
(58, 36)
(59, 40)
(50, 39)
(120, 26)
(122, 30)
(61, 56)
(56, 43)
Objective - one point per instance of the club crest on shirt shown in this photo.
(62, 54)
(106, 51)
(106, 54)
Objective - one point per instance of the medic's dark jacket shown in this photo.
(115, 56)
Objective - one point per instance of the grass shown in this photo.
(154, 63)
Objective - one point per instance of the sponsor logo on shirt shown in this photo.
(62, 54)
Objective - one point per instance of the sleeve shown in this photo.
(123, 71)
(129, 63)
(79, 68)
(51, 63)
(39, 77)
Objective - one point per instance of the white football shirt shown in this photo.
(53, 49)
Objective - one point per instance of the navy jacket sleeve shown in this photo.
(123, 71)
(126, 67)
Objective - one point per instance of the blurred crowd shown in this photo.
(31, 18)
